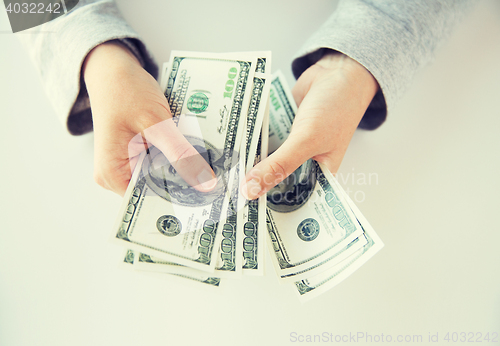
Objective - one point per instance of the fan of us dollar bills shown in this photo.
(234, 112)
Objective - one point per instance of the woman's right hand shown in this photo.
(130, 113)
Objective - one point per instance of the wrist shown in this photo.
(105, 60)
(356, 75)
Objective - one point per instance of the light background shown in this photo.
(435, 203)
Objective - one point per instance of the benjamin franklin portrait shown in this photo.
(162, 178)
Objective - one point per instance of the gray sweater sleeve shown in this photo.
(58, 49)
(391, 38)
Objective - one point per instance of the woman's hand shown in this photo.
(332, 97)
(130, 113)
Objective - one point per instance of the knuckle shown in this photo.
(143, 122)
(278, 169)
(183, 152)
(150, 115)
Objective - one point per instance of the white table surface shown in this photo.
(433, 200)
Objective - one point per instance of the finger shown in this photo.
(275, 168)
(188, 163)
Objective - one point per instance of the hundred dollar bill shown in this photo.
(254, 213)
(163, 216)
(311, 225)
(145, 262)
(230, 250)
(231, 246)
(233, 236)
(255, 150)
(347, 259)
(314, 286)
(308, 219)
(229, 256)
(340, 255)
(228, 262)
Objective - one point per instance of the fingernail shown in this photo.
(206, 180)
(252, 189)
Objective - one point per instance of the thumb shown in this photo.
(186, 160)
(275, 168)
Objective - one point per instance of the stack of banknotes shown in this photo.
(234, 112)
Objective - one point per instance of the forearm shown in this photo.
(104, 63)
